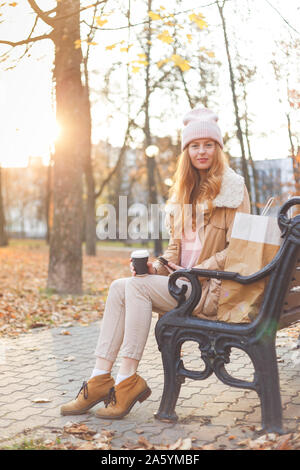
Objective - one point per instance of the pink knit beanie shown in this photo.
(200, 123)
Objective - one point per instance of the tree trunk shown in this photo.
(296, 165)
(90, 211)
(255, 177)
(49, 200)
(234, 97)
(251, 161)
(148, 141)
(65, 264)
(90, 206)
(3, 235)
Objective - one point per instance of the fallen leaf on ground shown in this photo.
(284, 442)
(182, 444)
(69, 359)
(143, 441)
(139, 431)
(41, 400)
(208, 447)
(25, 301)
(80, 430)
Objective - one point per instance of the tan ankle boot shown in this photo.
(92, 392)
(123, 396)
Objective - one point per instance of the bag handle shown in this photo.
(268, 205)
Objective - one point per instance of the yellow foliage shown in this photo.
(13, 4)
(180, 62)
(190, 37)
(125, 49)
(198, 19)
(100, 21)
(109, 48)
(165, 37)
(140, 61)
(154, 16)
(135, 69)
(209, 53)
(77, 43)
(160, 63)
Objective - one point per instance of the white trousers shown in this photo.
(128, 313)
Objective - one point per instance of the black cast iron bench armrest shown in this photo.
(193, 275)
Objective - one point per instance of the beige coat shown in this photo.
(215, 235)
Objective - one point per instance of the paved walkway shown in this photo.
(51, 366)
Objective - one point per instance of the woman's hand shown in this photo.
(174, 266)
(151, 268)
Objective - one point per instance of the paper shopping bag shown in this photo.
(254, 242)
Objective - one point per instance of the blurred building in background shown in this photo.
(26, 190)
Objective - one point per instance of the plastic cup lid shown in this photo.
(140, 254)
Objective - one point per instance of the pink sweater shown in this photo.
(190, 250)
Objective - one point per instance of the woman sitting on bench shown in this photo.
(215, 193)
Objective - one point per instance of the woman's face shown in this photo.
(202, 152)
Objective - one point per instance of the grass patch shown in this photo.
(47, 291)
(37, 244)
(30, 444)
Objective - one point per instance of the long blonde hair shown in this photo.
(190, 188)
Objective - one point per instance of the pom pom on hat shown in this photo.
(200, 123)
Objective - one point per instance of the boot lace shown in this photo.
(111, 398)
(84, 387)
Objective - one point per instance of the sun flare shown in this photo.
(30, 139)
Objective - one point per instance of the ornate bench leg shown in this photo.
(268, 387)
(172, 384)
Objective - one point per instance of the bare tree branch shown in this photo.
(27, 49)
(120, 157)
(41, 13)
(284, 19)
(49, 12)
(29, 45)
(51, 21)
(147, 21)
(26, 41)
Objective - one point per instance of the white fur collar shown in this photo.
(232, 190)
(231, 193)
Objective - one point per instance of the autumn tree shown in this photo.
(286, 71)
(245, 75)
(221, 8)
(65, 263)
(162, 43)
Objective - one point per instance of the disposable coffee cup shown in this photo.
(139, 260)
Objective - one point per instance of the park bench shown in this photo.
(279, 309)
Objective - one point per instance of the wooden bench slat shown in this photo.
(291, 301)
(289, 318)
(295, 281)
